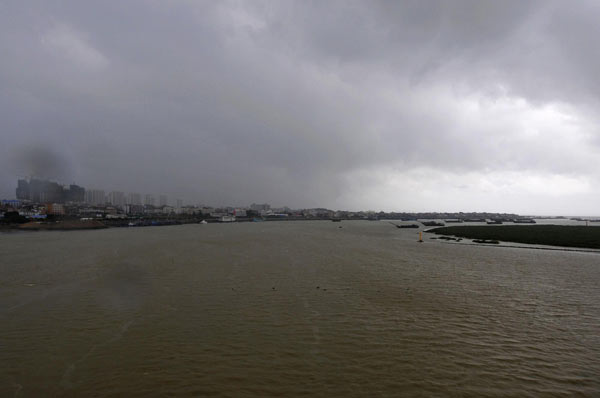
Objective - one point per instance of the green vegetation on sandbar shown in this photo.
(553, 235)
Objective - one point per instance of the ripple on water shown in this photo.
(235, 311)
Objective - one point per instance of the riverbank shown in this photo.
(551, 235)
(65, 225)
(61, 225)
(360, 311)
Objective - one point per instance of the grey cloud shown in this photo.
(40, 161)
(235, 102)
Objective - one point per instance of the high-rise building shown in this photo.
(95, 197)
(75, 193)
(23, 190)
(135, 199)
(149, 200)
(117, 198)
(162, 200)
(44, 191)
(179, 203)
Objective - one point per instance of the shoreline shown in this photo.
(556, 236)
(78, 225)
(549, 248)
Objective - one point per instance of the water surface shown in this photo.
(292, 309)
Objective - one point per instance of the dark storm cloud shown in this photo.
(304, 103)
(40, 162)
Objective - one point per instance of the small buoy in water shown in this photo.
(317, 287)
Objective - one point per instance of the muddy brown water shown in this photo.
(292, 309)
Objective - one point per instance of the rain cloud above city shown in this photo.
(358, 105)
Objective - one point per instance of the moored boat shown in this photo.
(432, 223)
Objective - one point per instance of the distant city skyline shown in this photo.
(89, 195)
(121, 199)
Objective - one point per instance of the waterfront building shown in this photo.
(11, 203)
(190, 210)
(134, 209)
(150, 209)
(239, 212)
(115, 216)
(260, 207)
(179, 203)
(55, 208)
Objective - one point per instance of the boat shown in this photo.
(203, 222)
(432, 223)
(336, 219)
(407, 226)
(495, 222)
(524, 221)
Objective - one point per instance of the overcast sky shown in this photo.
(395, 105)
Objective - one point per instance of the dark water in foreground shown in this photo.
(234, 310)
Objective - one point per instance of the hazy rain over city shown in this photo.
(395, 106)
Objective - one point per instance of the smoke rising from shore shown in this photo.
(42, 162)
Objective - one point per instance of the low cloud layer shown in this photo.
(411, 105)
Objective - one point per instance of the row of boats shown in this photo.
(491, 222)
(494, 220)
